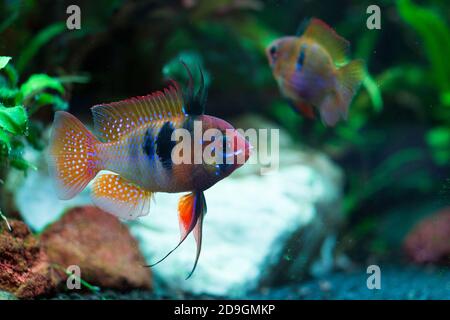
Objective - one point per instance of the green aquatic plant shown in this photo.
(43, 37)
(18, 102)
(373, 90)
(5, 220)
(386, 175)
(84, 283)
(438, 139)
(435, 34)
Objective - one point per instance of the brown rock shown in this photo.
(429, 241)
(24, 267)
(103, 248)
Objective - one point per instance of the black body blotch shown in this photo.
(164, 145)
(149, 144)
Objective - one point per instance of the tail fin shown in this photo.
(349, 79)
(73, 160)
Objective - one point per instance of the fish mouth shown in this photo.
(248, 149)
(240, 152)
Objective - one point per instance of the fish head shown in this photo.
(279, 50)
(225, 148)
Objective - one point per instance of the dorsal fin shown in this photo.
(336, 46)
(195, 102)
(113, 120)
(303, 26)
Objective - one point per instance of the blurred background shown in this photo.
(380, 190)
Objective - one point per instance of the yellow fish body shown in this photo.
(307, 72)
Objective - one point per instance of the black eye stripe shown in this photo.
(224, 149)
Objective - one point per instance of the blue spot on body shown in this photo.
(301, 58)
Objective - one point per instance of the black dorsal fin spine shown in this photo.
(302, 26)
(195, 103)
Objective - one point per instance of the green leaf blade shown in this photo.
(4, 61)
(40, 82)
(14, 119)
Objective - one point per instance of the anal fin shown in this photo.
(330, 110)
(120, 197)
(306, 109)
(350, 78)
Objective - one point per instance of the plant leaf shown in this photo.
(433, 30)
(4, 61)
(40, 82)
(38, 41)
(7, 93)
(374, 92)
(439, 137)
(12, 75)
(14, 119)
(45, 99)
(76, 78)
(34, 137)
(5, 143)
(22, 164)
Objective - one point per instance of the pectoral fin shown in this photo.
(350, 78)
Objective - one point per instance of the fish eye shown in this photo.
(273, 50)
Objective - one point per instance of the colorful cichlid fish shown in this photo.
(305, 69)
(135, 143)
